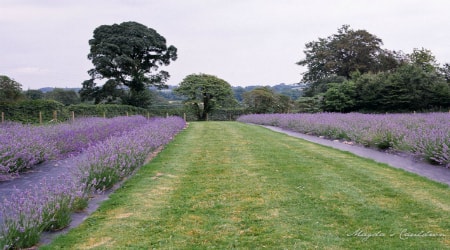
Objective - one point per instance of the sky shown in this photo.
(44, 43)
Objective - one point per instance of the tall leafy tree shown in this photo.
(130, 54)
(10, 90)
(204, 93)
(343, 53)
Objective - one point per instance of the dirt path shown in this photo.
(405, 162)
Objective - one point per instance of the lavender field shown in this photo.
(426, 135)
(102, 151)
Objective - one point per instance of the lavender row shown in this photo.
(49, 204)
(23, 146)
(426, 135)
(105, 163)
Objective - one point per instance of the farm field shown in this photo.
(233, 185)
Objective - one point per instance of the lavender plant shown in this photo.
(108, 162)
(72, 138)
(21, 147)
(427, 135)
(45, 206)
(22, 220)
(48, 204)
(24, 146)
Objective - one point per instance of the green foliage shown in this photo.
(205, 93)
(264, 100)
(409, 88)
(27, 111)
(128, 54)
(260, 100)
(424, 59)
(321, 86)
(352, 73)
(107, 110)
(33, 94)
(10, 90)
(445, 72)
(343, 53)
(309, 104)
(340, 97)
(65, 97)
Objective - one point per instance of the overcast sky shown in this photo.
(44, 43)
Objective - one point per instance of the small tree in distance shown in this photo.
(205, 93)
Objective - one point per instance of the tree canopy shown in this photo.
(349, 71)
(264, 100)
(204, 93)
(10, 90)
(346, 52)
(128, 54)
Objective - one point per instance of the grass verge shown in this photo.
(232, 185)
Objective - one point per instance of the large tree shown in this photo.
(262, 100)
(204, 93)
(130, 54)
(10, 90)
(345, 52)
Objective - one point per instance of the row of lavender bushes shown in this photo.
(24, 146)
(48, 205)
(424, 134)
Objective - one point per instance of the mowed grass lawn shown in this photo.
(229, 185)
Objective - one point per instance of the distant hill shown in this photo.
(50, 89)
(294, 91)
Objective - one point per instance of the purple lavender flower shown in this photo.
(427, 135)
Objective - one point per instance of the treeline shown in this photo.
(349, 71)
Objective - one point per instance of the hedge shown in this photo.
(36, 111)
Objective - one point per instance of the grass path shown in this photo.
(229, 185)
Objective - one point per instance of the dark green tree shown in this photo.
(321, 85)
(445, 72)
(309, 104)
(10, 90)
(130, 54)
(205, 93)
(345, 52)
(260, 100)
(340, 97)
(408, 88)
